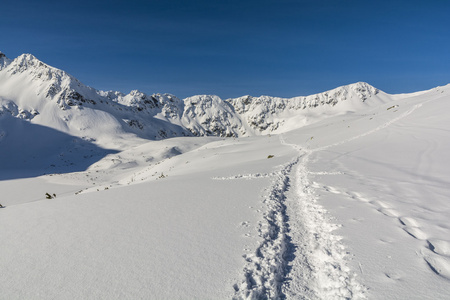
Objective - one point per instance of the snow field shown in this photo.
(167, 237)
(388, 186)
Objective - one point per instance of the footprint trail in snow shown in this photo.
(299, 256)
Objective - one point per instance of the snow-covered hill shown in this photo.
(33, 91)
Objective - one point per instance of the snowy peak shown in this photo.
(28, 62)
(55, 81)
(32, 83)
(53, 98)
(363, 89)
(33, 72)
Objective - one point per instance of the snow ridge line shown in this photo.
(266, 269)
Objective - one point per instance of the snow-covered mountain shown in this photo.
(348, 199)
(34, 91)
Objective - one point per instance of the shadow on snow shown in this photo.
(30, 150)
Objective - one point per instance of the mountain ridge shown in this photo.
(34, 91)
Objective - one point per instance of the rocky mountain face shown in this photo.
(259, 112)
(33, 91)
(4, 61)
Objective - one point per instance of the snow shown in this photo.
(385, 179)
(340, 195)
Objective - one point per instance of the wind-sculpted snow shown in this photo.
(59, 99)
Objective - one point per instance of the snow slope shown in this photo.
(383, 176)
(340, 195)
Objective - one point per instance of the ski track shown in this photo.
(300, 257)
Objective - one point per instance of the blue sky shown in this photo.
(232, 48)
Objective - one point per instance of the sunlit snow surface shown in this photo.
(353, 206)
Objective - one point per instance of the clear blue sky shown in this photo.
(235, 47)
